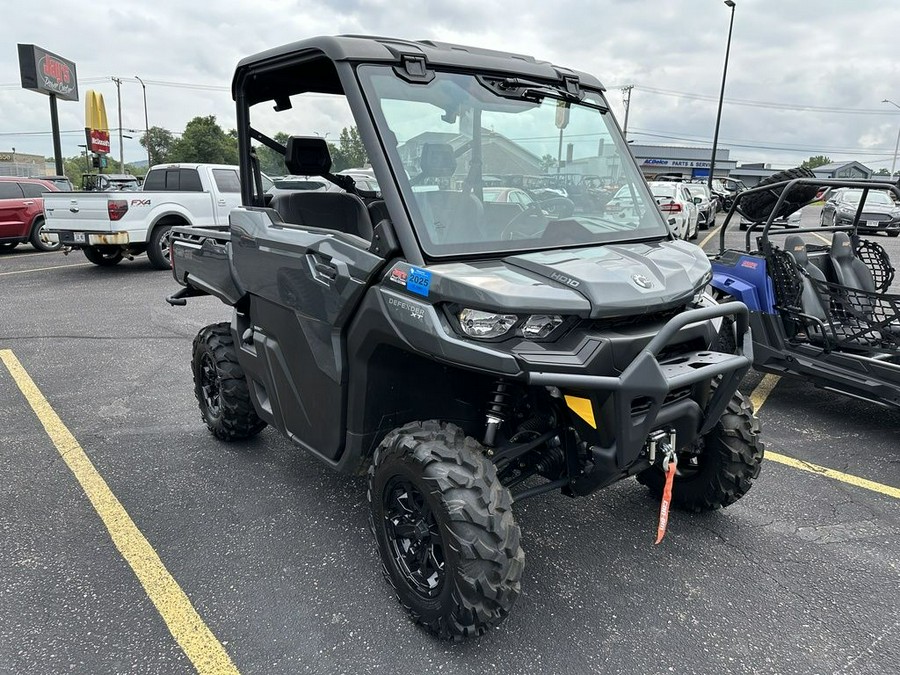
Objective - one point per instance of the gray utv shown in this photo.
(466, 339)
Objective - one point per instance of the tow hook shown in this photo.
(662, 440)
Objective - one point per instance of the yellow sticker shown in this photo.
(583, 408)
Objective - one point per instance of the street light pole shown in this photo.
(118, 82)
(897, 144)
(146, 122)
(712, 161)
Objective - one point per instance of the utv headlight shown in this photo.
(539, 326)
(479, 324)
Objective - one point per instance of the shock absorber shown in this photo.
(498, 408)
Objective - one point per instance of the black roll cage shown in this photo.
(785, 188)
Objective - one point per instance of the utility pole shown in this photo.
(118, 82)
(626, 101)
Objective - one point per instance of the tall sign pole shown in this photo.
(52, 75)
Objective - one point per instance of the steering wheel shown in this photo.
(532, 214)
(558, 207)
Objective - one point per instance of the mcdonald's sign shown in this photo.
(96, 128)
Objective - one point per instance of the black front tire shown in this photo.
(8, 245)
(158, 247)
(725, 469)
(444, 526)
(893, 233)
(221, 387)
(104, 256)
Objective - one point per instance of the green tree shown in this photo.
(159, 141)
(349, 152)
(548, 162)
(816, 161)
(882, 172)
(270, 161)
(205, 141)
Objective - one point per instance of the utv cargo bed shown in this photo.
(203, 264)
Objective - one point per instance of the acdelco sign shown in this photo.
(47, 73)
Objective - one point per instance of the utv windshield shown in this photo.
(492, 164)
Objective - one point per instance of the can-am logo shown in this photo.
(56, 75)
(641, 280)
(563, 279)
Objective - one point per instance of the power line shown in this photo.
(766, 104)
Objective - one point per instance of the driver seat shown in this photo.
(450, 216)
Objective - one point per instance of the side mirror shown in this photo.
(698, 200)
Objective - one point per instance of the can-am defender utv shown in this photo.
(820, 310)
(465, 346)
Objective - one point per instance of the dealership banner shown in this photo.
(96, 128)
(47, 73)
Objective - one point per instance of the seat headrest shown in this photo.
(437, 160)
(307, 156)
(840, 246)
(796, 247)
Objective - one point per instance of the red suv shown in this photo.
(22, 213)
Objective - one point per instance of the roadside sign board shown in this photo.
(47, 73)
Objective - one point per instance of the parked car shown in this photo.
(880, 213)
(793, 220)
(62, 182)
(706, 206)
(109, 226)
(22, 213)
(109, 182)
(676, 204)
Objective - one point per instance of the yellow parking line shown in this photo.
(205, 652)
(758, 398)
(836, 475)
(762, 391)
(709, 236)
(43, 269)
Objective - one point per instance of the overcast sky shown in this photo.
(804, 77)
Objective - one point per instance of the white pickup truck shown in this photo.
(109, 226)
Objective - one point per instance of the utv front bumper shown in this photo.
(654, 392)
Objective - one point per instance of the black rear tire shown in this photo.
(221, 387)
(758, 206)
(726, 468)
(104, 256)
(893, 233)
(35, 238)
(8, 245)
(158, 247)
(444, 526)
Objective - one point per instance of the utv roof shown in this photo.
(371, 49)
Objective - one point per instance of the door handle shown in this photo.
(322, 269)
(28, 203)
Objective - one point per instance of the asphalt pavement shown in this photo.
(273, 550)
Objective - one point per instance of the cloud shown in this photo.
(826, 54)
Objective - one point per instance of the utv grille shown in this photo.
(641, 405)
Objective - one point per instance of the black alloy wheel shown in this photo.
(413, 537)
(208, 381)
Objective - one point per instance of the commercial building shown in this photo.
(14, 163)
(675, 160)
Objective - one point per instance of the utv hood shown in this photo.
(600, 281)
(623, 279)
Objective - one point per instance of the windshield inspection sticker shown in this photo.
(418, 281)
